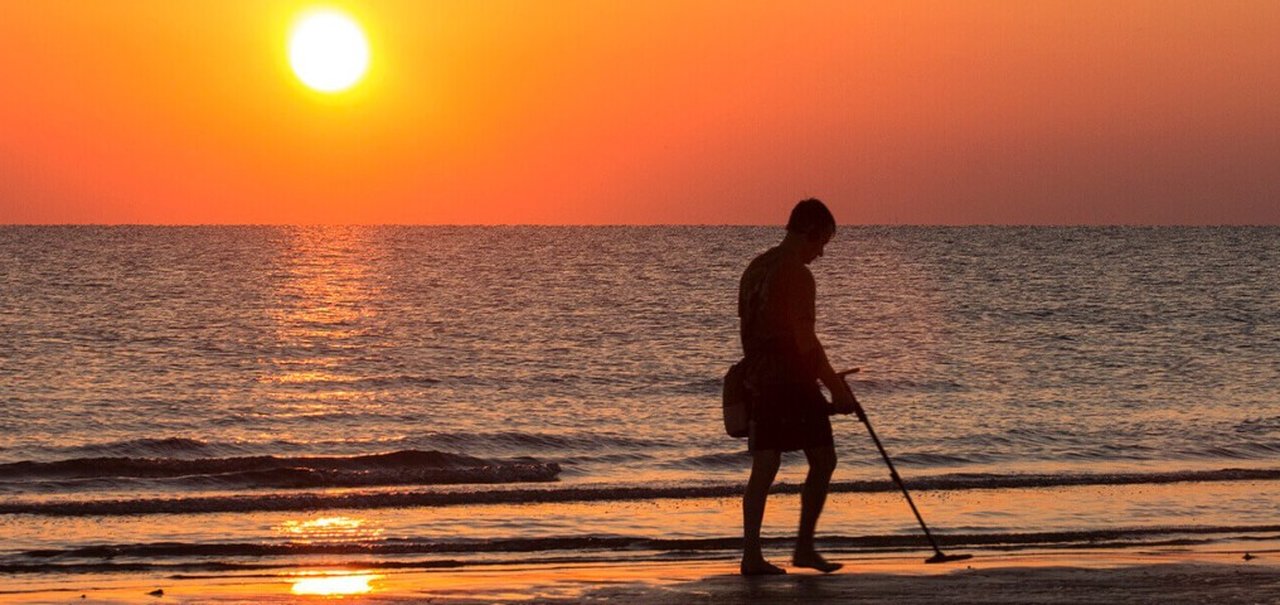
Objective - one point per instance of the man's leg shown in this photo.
(822, 462)
(764, 467)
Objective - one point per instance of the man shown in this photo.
(785, 361)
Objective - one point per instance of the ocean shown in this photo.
(244, 400)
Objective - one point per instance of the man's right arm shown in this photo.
(801, 293)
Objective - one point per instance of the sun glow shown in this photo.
(328, 51)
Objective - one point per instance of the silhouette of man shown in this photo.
(785, 361)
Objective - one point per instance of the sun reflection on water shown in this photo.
(335, 529)
(324, 308)
(329, 529)
(323, 317)
(334, 585)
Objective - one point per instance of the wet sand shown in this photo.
(1078, 576)
(1032, 581)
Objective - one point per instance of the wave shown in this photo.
(225, 555)
(180, 571)
(720, 460)
(904, 385)
(542, 442)
(741, 460)
(587, 449)
(509, 442)
(320, 501)
(169, 447)
(1240, 451)
(933, 459)
(710, 386)
(1265, 425)
(389, 381)
(406, 467)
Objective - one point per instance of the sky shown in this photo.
(654, 112)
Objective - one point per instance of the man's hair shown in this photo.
(811, 216)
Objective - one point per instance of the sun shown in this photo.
(328, 51)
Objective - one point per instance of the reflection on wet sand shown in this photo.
(335, 585)
(332, 529)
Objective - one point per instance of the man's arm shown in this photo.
(843, 400)
(842, 397)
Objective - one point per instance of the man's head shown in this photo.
(812, 225)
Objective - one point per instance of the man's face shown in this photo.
(816, 245)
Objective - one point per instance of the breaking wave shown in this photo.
(406, 467)
(358, 500)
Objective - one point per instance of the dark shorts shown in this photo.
(790, 417)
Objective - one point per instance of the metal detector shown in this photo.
(938, 555)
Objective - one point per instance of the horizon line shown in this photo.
(622, 225)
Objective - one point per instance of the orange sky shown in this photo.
(551, 111)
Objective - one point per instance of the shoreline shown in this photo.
(1139, 575)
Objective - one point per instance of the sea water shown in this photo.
(226, 398)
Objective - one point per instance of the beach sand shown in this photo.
(1076, 576)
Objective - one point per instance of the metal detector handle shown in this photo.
(844, 376)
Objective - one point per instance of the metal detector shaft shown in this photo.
(893, 472)
(938, 556)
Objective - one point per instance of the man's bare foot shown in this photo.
(813, 560)
(759, 567)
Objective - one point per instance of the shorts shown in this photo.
(790, 417)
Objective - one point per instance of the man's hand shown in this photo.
(844, 402)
